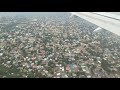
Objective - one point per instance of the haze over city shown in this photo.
(56, 45)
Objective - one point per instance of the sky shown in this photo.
(32, 13)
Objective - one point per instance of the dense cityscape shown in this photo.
(57, 46)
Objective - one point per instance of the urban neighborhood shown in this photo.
(57, 46)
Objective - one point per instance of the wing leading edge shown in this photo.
(110, 22)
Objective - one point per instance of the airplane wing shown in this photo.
(108, 21)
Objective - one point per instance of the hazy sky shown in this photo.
(32, 13)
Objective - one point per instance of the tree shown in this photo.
(76, 57)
